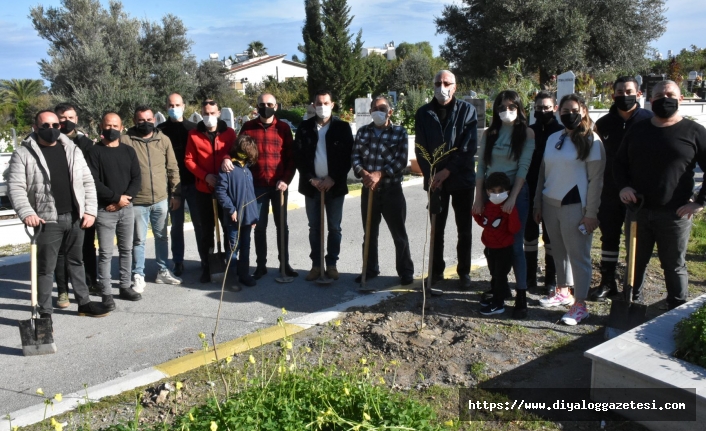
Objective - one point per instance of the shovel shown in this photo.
(283, 278)
(366, 246)
(625, 314)
(217, 258)
(36, 333)
(323, 279)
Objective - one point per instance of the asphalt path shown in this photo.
(166, 323)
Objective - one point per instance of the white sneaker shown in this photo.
(165, 276)
(138, 284)
(576, 313)
(556, 299)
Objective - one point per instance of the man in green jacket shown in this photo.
(159, 194)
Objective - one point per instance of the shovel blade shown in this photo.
(284, 279)
(624, 316)
(37, 337)
(217, 266)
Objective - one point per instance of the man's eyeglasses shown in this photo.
(209, 102)
(50, 125)
(268, 105)
(446, 84)
(540, 108)
(381, 108)
(561, 141)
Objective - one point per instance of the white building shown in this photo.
(388, 51)
(255, 70)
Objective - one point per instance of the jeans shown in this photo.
(671, 234)
(110, 224)
(208, 225)
(242, 247)
(89, 262)
(334, 215)
(270, 194)
(499, 265)
(519, 264)
(188, 196)
(462, 202)
(156, 215)
(66, 234)
(388, 203)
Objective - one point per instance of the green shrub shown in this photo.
(690, 337)
(293, 115)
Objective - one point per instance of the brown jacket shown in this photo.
(160, 172)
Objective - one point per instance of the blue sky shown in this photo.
(226, 27)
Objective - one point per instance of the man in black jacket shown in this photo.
(545, 125)
(452, 123)
(611, 214)
(68, 119)
(322, 148)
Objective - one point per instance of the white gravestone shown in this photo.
(227, 116)
(565, 84)
(159, 119)
(362, 112)
(196, 118)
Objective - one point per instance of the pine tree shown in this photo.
(313, 36)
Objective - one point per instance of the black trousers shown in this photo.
(532, 248)
(462, 202)
(208, 224)
(89, 262)
(499, 265)
(66, 235)
(388, 203)
(611, 216)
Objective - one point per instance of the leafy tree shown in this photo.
(483, 34)
(406, 49)
(20, 90)
(376, 70)
(289, 93)
(102, 59)
(212, 83)
(20, 99)
(312, 34)
(414, 72)
(295, 58)
(256, 49)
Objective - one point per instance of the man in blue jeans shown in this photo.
(177, 130)
(322, 150)
(160, 179)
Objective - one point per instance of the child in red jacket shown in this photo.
(499, 229)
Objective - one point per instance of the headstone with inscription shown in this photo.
(480, 105)
(565, 84)
(362, 112)
(196, 117)
(227, 116)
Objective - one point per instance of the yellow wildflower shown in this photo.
(15, 428)
(228, 359)
(214, 426)
(191, 417)
(288, 345)
(346, 391)
(251, 359)
(40, 391)
(449, 423)
(284, 311)
(337, 323)
(308, 350)
(381, 380)
(281, 369)
(366, 416)
(363, 361)
(202, 335)
(292, 367)
(58, 427)
(394, 362)
(179, 385)
(366, 370)
(58, 397)
(52, 422)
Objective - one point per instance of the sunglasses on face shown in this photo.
(268, 105)
(209, 102)
(50, 125)
(381, 108)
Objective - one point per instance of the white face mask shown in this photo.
(442, 94)
(323, 111)
(210, 121)
(498, 198)
(379, 118)
(508, 116)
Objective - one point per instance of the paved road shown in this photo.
(165, 324)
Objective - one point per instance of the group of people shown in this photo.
(570, 176)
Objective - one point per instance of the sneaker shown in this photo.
(129, 294)
(576, 313)
(108, 303)
(166, 277)
(259, 272)
(313, 274)
(63, 300)
(138, 284)
(556, 299)
(178, 268)
(332, 272)
(491, 309)
(92, 309)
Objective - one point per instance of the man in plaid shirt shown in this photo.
(379, 158)
(272, 174)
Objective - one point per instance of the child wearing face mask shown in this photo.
(499, 229)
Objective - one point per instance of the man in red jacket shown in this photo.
(206, 147)
(271, 174)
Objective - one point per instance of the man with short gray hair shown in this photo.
(656, 160)
(379, 158)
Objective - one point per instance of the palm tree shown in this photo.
(256, 49)
(20, 90)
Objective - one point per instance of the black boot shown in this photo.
(520, 309)
(205, 273)
(531, 260)
(608, 286)
(549, 274)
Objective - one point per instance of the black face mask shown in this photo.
(265, 112)
(110, 135)
(145, 128)
(49, 135)
(544, 117)
(665, 107)
(571, 121)
(625, 103)
(67, 127)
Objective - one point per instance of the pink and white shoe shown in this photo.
(556, 300)
(576, 313)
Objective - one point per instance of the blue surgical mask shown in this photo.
(176, 113)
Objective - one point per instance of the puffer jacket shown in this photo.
(29, 182)
(158, 165)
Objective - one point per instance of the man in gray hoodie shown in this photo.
(52, 190)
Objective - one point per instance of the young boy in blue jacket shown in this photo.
(236, 194)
